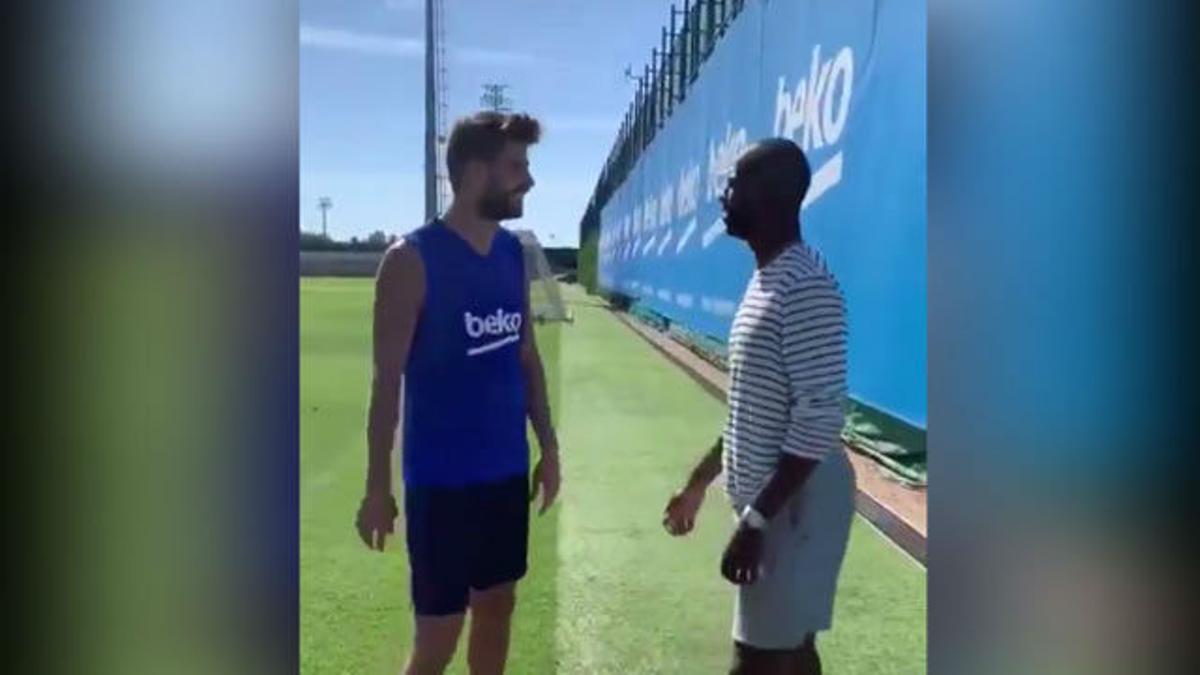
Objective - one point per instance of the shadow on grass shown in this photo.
(533, 645)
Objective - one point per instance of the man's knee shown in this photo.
(749, 660)
(494, 604)
(436, 640)
(806, 660)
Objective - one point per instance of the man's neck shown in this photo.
(468, 220)
(766, 250)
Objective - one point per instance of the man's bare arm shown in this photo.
(787, 479)
(535, 385)
(708, 469)
(399, 294)
(680, 515)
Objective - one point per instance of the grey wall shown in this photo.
(339, 263)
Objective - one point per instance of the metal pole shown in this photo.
(710, 7)
(493, 97)
(671, 58)
(660, 115)
(665, 76)
(430, 117)
(684, 40)
(638, 122)
(324, 203)
(646, 107)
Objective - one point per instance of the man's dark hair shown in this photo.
(781, 171)
(482, 136)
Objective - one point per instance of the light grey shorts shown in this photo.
(804, 547)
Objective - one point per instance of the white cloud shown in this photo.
(364, 43)
(490, 57)
(376, 44)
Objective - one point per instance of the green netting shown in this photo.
(545, 296)
(896, 445)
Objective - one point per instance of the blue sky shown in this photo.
(362, 99)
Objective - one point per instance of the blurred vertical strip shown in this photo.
(1061, 356)
(157, 360)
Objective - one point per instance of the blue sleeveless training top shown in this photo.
(464, 388)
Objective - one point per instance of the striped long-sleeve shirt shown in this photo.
(787, 371)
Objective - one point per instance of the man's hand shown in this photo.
(680, 515)
(376, 519)
(547, 479)
(742, 562)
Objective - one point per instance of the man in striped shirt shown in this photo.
(790, 483)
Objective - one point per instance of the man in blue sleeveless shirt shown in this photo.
(452, 318)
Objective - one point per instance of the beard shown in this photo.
(499, 205)
(737, 224)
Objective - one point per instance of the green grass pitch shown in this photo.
(608, 590)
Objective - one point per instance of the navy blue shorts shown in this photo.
(464, 538)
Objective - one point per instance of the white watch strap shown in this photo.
(753, 519)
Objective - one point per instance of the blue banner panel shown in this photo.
(846, 81)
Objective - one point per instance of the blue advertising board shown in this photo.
(846, 81)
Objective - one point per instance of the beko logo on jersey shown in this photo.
(499, 323)
(503, 325)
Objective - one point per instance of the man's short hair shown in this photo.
(482, 136)
(781, 170)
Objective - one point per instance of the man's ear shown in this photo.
(474, 173)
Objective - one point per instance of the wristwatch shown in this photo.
(752, 519)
